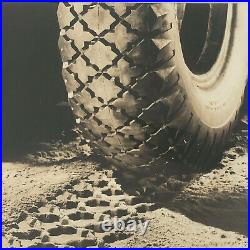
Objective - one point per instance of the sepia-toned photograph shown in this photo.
(125, 125)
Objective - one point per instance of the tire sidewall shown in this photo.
(217, 103)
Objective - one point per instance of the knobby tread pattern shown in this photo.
(72, 216)
(123, 86)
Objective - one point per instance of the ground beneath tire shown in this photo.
(59, 194)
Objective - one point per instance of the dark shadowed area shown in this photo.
(32, 82)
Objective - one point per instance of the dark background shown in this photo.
(32, 83)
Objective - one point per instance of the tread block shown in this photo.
(121, 37)
(77, 110)
(71, 83)
(119, 141)
(128, 103)
(119, 8)
(82, 70)
(80, 41)
(160, 138)
(100, 55)
(147, 17)
(111, 117)
(104, 88)
(65, 17)
(97, 129)
(124, 72)
(144, 53)
(150, 83)
(145, 152)
(134, 129)
(89, 102)
(78, 7)
(67, 51)
(98, 19)
(130, 160)
(156, 114)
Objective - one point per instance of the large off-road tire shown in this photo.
(146, 87)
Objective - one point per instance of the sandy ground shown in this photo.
(210, 210)
(24, 185)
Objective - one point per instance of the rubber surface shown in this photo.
(121, 67)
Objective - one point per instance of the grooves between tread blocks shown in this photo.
(119, 71)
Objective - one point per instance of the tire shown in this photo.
(136, 93)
